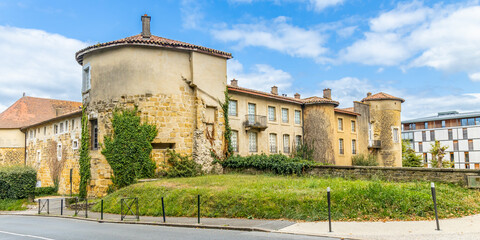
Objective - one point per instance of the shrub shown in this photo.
(364, 160)
(45, 191)
(409, 158)
(304, 151)
(277, 163)
(180, 166)
(17, 182)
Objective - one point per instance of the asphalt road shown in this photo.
(48, 228)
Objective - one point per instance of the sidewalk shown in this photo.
(459, 228)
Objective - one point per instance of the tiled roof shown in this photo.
(382, 96)
(152, 41)
(347, 111)
(263, 94)
(67, 115)
(315, 100)
(30, 110)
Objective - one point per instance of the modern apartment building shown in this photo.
(460, 132)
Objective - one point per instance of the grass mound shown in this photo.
(299, 198)
(12, 204)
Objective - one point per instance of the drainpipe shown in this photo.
(25, 149)
(303, 123)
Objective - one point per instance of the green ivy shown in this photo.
(277, 163)
(128, 149)
(228, 151)
(84, 156)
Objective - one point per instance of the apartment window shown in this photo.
(354, 146)
(59, 151)
(443, 123)
(432, 135)
(420, 147)
(450, 134)
(273, 142)
(297, 117)
(271, 114)
(61, 128)
(232, 108)
(94, 134)
(340, 124)
(452, 157)
(477, 121)
(66, 126)
(298, 140)
(426, 125)
(465, 133)
(463, 122)
(234, 139)
(455, 145)
(470, 145)
(395, 135)
(424, 136)
(86, 78)
(471, 121)
(353, 126)
(252, 109)
(467, 160)
(412, 126)
(286, 143)
(340, 145)
(425, 158)
(75, 144)
(284, 115)
(55, 129)
(252, 141)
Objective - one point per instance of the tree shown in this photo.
(409, 158)
(438, 153)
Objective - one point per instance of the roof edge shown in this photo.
(70, 114)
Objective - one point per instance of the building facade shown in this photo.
(460, 132)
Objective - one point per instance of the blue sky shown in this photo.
(427, 52)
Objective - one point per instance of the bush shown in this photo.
(277, 163)
(409, 158)
(45, 191)
(17, 182)
(180, 166)
(364, 160)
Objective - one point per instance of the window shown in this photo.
(297, 117)
(273, 142)
(298, 140)
(463, 122)
(395, 135)
(471, 121)
(86, 78)
(234, 139)
(232, 108)
(465, 133)
(420, 147)
(354, 146)
(443, 123)
(66, 126)
(470, 145)
(353, 127)
(455, 145)
(271, 114)
(467, 160)
(412, 126)
(55, 129)
(450, 134)
(477, 121)
(94, 134)
(452, 157)
(340, 145)
(286, 143)
(424, 136)
(284, 115)
(252, 141)
(73, 124)
(59, 151)
(75, 144)
(61, 128)
(426, 125)
(340, 124)
(44, 131)
(432, 135)
(34, 133)
(425, 158)
(252, 109)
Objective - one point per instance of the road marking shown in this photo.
(24, 235)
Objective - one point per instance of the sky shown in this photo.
(426, 52)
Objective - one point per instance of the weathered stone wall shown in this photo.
(319, 127)
(362, 126)
(12, 156)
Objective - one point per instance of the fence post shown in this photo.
(434, 198)
(101, 210)
(61, 207)
(39, 205)
(329, 211)
(121, 210)
(86, 207)
(48, 206)
(163, 210)
(198, 210)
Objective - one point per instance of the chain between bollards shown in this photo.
(434, 198)
(163, 210)
(329, 211)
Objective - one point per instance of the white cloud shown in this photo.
(474, 76)
(192, 16)
(260, 77)
(278, 35)
(346, 31)
(38, 63)
(444, 37)
(320, 5)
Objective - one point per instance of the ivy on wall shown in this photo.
(228, 149)
(128, 149)
(84, 156)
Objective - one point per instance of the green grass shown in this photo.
(12, 204)
(299, 198)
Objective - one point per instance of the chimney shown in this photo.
(24, 94)
(275, 90)
(146, 26)
(327, 93)
(369, 94)
(234, 82)
(297, 95)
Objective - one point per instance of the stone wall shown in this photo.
(12, 156)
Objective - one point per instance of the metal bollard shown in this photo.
(163, 210)
(86, 207)
(48, 206)
(198, 210)
(61, 207)
(138, 214)
(39, 205)
(329, 211)
(121, 209)
(434, 198)
(101, 210)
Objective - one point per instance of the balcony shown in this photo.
(255, 122)
(375, 144)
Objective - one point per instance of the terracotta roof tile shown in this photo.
(30, 110)
(315, 99)
(345, 111)
(263, 94)
(153, 41)
(382, 96)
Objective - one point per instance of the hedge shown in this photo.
(45, 191)
(277, 163)
(17, 182)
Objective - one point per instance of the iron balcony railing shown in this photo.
(255, 121)
(375, 144)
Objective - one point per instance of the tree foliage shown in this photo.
(438, 153)
(84, 156)
(409, 158)
(364, 160)
(128, 149)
